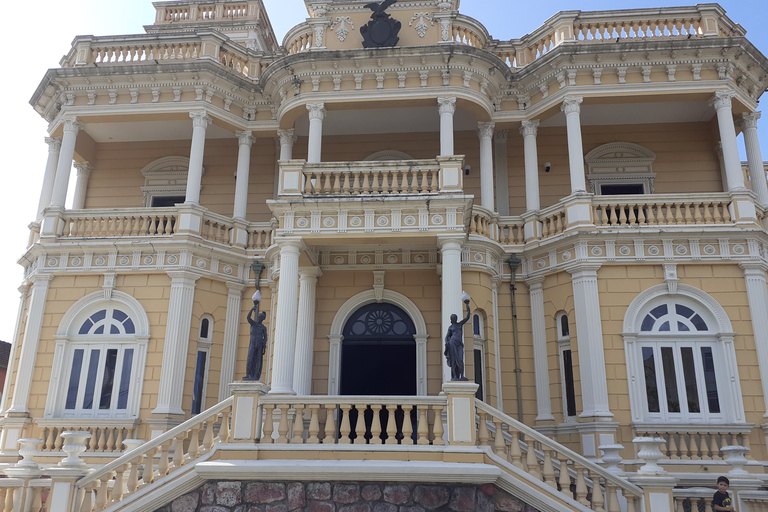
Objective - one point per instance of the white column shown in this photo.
(54, 148)
(572, 108)
(589, 336)
(485, 133)
(529, 130)
(24, 291)
(748, 123)
(285, 319)
(502, 172)
(305, 330)
(28, 349)
(81, 185)
(200, 122)
(315, 149)
(176, 344)
(231, 337)
(64, 166)
(450, 250)
(447, 107)
(723, 106)
(287, 140)
(245, 140)
(757, 293)
(539, 336)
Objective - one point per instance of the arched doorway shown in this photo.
(378, 352)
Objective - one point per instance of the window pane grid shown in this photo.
(91, 393)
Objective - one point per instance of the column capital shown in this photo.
(447, 105)
(535, 282)
(443, 241)
(296, 244)
(529, 128)
(572, 104)
(71, 124)
(287, 136)
(310, 272)
(40, 278)
(722, 99)
(183, 276)
(580, 270)
(83, 168)
(54, 143)
(747, 121)
(245, 138)
(200, 119)
(754, 268)
(236, 288)
(501, 136)
(485, 130)
(316, 110)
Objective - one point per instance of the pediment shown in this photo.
(618, 153)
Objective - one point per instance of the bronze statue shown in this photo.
(258, 344)
(454, 345)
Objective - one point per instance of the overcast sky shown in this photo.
(34, 45)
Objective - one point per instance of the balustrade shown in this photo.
(368, 180)
(149, 52)
(104, 439)
(100, 223)
(299, 41)
(352, 420)
(639, 211)
(510, 231)
(553, 224)
(693, 444)
(558, 467)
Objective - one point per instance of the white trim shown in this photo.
(563, 344)
(620, 163)
(165, 176)
(719, 333)
(83, 308)
(363, 299)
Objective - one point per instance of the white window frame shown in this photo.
(165, 177)
(719, 337)
(68, 340)
(620, 163)
(204, 344)
(563, 344)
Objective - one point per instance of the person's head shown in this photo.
(262, 316)
(454, 319)
(723, 483)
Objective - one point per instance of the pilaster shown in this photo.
(286, 317)
(176, 343)
(757, 294)
(450, 250)
(539, 335)
(305, 330)
(231, 336)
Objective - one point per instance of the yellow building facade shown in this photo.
(581, 184)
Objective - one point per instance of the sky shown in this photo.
(44, 39)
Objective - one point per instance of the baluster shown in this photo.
(102, 493)
(282, 426)
(687, 213)
(632, 217)
(308, 184)
(110, 443)
(649, 213)
(133, 475)
(9, 504)
(336, 183)
(622, 214)
(672, 445)
(345, 424)
(713, 448)
(49, 439)
(641, 208)
(697, 218)
(680, 504)
(706, 454)
(407, 426)
(386, 186)
(314, 424)
(564, 479)
(193, 451)
(437, 429)
(423, 426)
(684, 455)
(707, 216)
(59, 441)
(530, 460)
(117, 489)
(298, 425)
(612, 499)
(515, 454)
(693, 446)
(392, 427)
(726, 213)
(356, 183)
(224, 428)
(331, 417)
(482, 430)
(37, 499)
(745, 443)
(678, 214)
(548, 471)
(208, 436)
(345, 184)
(598, 501)
(93, 444)
(376, 425)
(545, 228)
(163, 464)
(559, 226)
(326, 179)
(366, 188)
(85, 506)
(581, 486)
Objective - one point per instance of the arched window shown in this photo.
(200, 384)
(566, 366)
(681, 361)
(99, 359)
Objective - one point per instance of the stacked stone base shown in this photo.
(236, 496)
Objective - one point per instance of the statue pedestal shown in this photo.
(461, 412)
(246, 419)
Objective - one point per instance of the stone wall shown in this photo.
(236, 496)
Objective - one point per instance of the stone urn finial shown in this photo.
(74, 445)
(649, 452)
(27, 448)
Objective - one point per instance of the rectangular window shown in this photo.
(651, 388)
(125, 379)
(90, 383)
(710, 382)
(570, 388)
(670, 379)
(689, 375)
(108, 380)
(74, 379)
(197, 394)
(479, 373)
